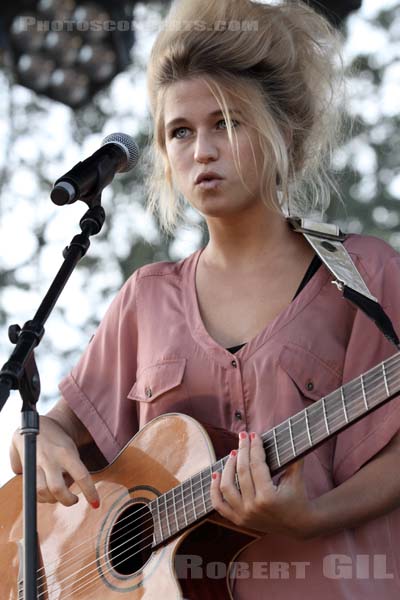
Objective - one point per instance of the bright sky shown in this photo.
(364, 37)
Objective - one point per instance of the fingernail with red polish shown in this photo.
(95, 504)
(233, 452)
(252, 436)
(243, 435)
(214, 476)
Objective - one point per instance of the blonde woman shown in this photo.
(249, 329)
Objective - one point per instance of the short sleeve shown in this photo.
(367, 347)
(98, 386)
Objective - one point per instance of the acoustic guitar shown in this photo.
(156, 531)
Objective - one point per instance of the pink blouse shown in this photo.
(152, 354)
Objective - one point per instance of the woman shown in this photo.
(248, 330)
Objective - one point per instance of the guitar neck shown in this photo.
(309, 428)
(287, 442)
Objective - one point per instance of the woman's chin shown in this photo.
(219, 209)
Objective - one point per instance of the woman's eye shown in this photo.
(180, 132)
(234, 123)
(177, 131)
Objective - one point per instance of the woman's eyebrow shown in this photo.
(215, 113)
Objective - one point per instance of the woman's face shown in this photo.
(197, 141)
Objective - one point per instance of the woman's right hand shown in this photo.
(58, 465)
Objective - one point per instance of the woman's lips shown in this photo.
(209, 184)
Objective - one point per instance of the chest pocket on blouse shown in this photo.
(159, 389)
(314, 379)
(312, 376)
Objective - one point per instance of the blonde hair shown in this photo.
(281, 64)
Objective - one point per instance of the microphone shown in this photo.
(86, 180)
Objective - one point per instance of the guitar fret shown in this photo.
(210, 506)
(166, 513)
(385, 380)
(182, 487)
(202, 492)
(193, 501)
(307, 426)
(159, 520)
(171, 510)
(198, 494)
(174, 509)
(291, 437)
(363, 393)
(344, 405)
(325, 417)
(276, 447)
(189, 498)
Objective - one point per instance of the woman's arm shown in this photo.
(373, 491)
(67, 419)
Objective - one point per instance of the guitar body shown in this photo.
(81, 550)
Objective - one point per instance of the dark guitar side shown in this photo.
(74, 541)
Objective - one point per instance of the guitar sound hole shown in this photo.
(131, 539)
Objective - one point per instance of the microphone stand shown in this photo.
(20, 372)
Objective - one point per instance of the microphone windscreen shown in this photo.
(128, 144)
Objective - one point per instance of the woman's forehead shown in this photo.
(192, 97)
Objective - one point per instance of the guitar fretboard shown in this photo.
(190, 501)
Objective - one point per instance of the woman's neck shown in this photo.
(248, 243)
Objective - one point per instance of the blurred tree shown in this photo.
(43, 139)
(369, 162)
(335, 10)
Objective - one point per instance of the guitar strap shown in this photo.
(327, 241)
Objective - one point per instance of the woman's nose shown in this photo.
(205, 149)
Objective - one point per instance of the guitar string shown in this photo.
(106, 555)
(123, 553)
(94, 571)
(277, 449)
(268, 445)
(165, 511)
(181, 501)
(93, 580)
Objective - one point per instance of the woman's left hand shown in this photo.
(259, 504)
